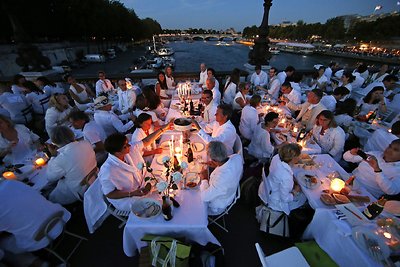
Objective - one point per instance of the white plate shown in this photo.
(198, 147)
(393, 207)
(302, 180)
(192, 177)
(146, 208)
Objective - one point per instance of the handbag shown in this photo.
(166, 251)
(272, 222)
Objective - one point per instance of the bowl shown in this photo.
(182, 124)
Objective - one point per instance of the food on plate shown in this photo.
(364, 199)
(341, 199)
(311, 178)
(327, 199)
(191, 184)
(280, 137)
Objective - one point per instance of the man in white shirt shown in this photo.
(211, 85)
(16, 105)
(203, 74)
(310, 109)
(219, 190)
(381, 138)
(108, 120)
(92, 133)
(221, 129)
(68, 166)
(103, 85)
(210, 108)
(289, 94)
(274, 84)
(249, 118)
(288, 72)
(259, 77)
(330, 101)
(379, 173)
(126, 99)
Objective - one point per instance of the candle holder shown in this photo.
(9, 175)
(337, 185)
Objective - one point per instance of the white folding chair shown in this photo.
(214, 219)
(121, 215)
(237, 147)
(288, 257)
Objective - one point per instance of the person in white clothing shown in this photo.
(203, 74)
(330, 101)
(274, 84)
(259, 77)
(231, 85)
(211, 74)
(92, 132)
(37, 98)
(219, 190)
(240, 100)
(81, 95)
(346, 79)
(379, 173)
(17, 86)
(320, 81)
(141, 107)
(250, 118)
(103, 85)
(16, 104)
(16, 142)
(279, 190)
(70, 163)
(57, 113)
(108, 120)
(126, 98)
(344, 115)
(221, 129)
(260, 146)
(49, 87)
(121, 180)
(211, 85)
(288, 72)
(290, 95)
(380, 75)
(382, 138)
(169, 78)
(328, 135)
(23, 212)
(209, 107)
(373, 101)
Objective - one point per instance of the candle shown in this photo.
(337, 184)
(390, 130)
(295, 129)
(178, 149)
(9, 175)
(40, 162)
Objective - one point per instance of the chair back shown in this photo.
(261, 255)
(237, 147)
(48, 225)
(89, 179)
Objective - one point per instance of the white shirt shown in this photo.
(260, 145)
(308, 113)
(104, 86)
(332, 142)
(170, 81)
(203, 77)
(380, 78)
(329, 101)
(235, 105)
(23, 212)
(83, 96)
(39, 102)
(220, 190)
(294, 96)
(365, 107)
(73, 162)
(276, 189)
(377, 183)
(281, 76)
(216, 94)
(51, 90)
(274, 86)
(116, 174)
(248, 121)
(24, 148)
(209, 112)
(110, 122)
(260, 79)
(54, 118)
(16, 105)
(138, 135)
(153, 115)
(126, 100)
(225, 133)
(344, 120)
(328, 73)
(379, 140)
(321, 81)
(93, 133)
(229, 93)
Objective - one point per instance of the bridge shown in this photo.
(202, 37)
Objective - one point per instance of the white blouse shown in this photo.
(332, 142)
(83, 96)
(235, 105)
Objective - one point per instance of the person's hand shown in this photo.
(196, 124)
(158, 150)
(372, 161)
(354, 151)
(204, 174)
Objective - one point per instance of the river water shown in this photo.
(188, 57)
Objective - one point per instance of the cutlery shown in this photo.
(353, 213)
(194, 147)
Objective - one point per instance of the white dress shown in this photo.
(229, 93)
(83, 96)
(332, 142)
(24, 147)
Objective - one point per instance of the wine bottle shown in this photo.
(189, 153)
(176, 164)
(372, 116)
(191, 107)
(374, 209)
(166, 209)
(301, 135)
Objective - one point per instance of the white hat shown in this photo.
(101, 101)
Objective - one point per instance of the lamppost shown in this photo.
(260, 53)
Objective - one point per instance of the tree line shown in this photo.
(334, 30)
(74, 20)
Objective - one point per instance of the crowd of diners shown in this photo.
(116, 126)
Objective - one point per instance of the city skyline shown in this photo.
(221, 14)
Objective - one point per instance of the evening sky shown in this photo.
(223, 14)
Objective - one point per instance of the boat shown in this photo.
(274, 50)
(168, 61)
(222, 43)
(297, 48)
(165, 51)
(155, 63)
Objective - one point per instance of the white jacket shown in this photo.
(225, 133)
(260, 145)
(126, 100)
(332, 142)
(248, 121)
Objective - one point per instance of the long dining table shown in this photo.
(190, 220)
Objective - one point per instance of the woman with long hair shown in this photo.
(144, 127)
(230, 87)
(374, 100)
(57, 113)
